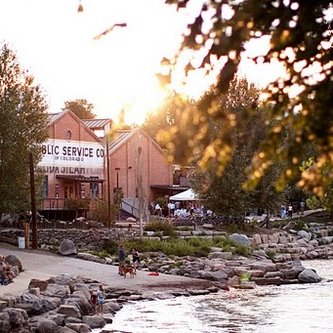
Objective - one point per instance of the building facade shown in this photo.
(76, 166)
(137, 167)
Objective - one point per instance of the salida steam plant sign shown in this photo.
(74, 157)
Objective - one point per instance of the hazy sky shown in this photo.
(57, 46)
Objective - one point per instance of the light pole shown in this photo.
(33, 202)
(108, 181)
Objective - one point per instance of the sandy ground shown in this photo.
(42, 265)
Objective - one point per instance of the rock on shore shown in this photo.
(61, 304)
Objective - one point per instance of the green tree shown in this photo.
(22, 130)
(81, 107)
(224, 193)
(300, 38)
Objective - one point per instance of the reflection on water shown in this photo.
(305, 308)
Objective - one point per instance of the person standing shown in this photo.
(158, 209)
(290, 211)
(283, 212)
(121, 258)
(172, 209)
(302, 206)
(93, 300)
(135, 258)
(100, 299)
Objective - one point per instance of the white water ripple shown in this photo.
(300, 308)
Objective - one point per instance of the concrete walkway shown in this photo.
(42, 265)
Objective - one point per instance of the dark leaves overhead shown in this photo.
(302, 99)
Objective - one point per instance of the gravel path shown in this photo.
(42, 264)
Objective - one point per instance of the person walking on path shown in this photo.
(100, 299)
(121, 258)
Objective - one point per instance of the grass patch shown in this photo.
(196, 246)
(161, 227)
(270, 253)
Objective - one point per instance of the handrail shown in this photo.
(133, 210)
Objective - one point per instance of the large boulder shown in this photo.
(4, 323)
(67, 247)
(35, 305)
(309, 276)
(41, 284)
(56, 290)
(94, 321)
(240, 239)
(304, 234)
(65, 330)
(79, 327)
(69, 310)
(47, 326)
(14, 261)
(17, 317)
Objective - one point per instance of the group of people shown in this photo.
(287, 211)
(177, 209)
(122, 259)
(97, 299)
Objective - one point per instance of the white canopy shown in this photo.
(188, 195)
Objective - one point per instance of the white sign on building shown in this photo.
(72, 157)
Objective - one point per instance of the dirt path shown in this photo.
(41, 265)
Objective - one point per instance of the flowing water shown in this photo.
(304, 308)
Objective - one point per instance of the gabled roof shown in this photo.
(55, 117)
(124, 135)
(96, 123)
(121, 138)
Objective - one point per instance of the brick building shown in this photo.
(75, 165)
(137, 165)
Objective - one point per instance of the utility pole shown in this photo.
(33, 202)
(108, 181)
(140, 187)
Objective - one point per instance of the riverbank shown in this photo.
(52, 292)
(39, 264)
(275, 260)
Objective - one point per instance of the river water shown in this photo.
(304, 308)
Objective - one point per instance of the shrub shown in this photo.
(161, 226)
(270, 253)
(242, 250)
(245, 277)
(100, 213)
(299, 224)
(74, 203)
(195, 246)
(110, 246)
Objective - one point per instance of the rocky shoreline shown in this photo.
(61, 303)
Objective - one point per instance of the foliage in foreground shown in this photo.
(299, 37)
(224, 194)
